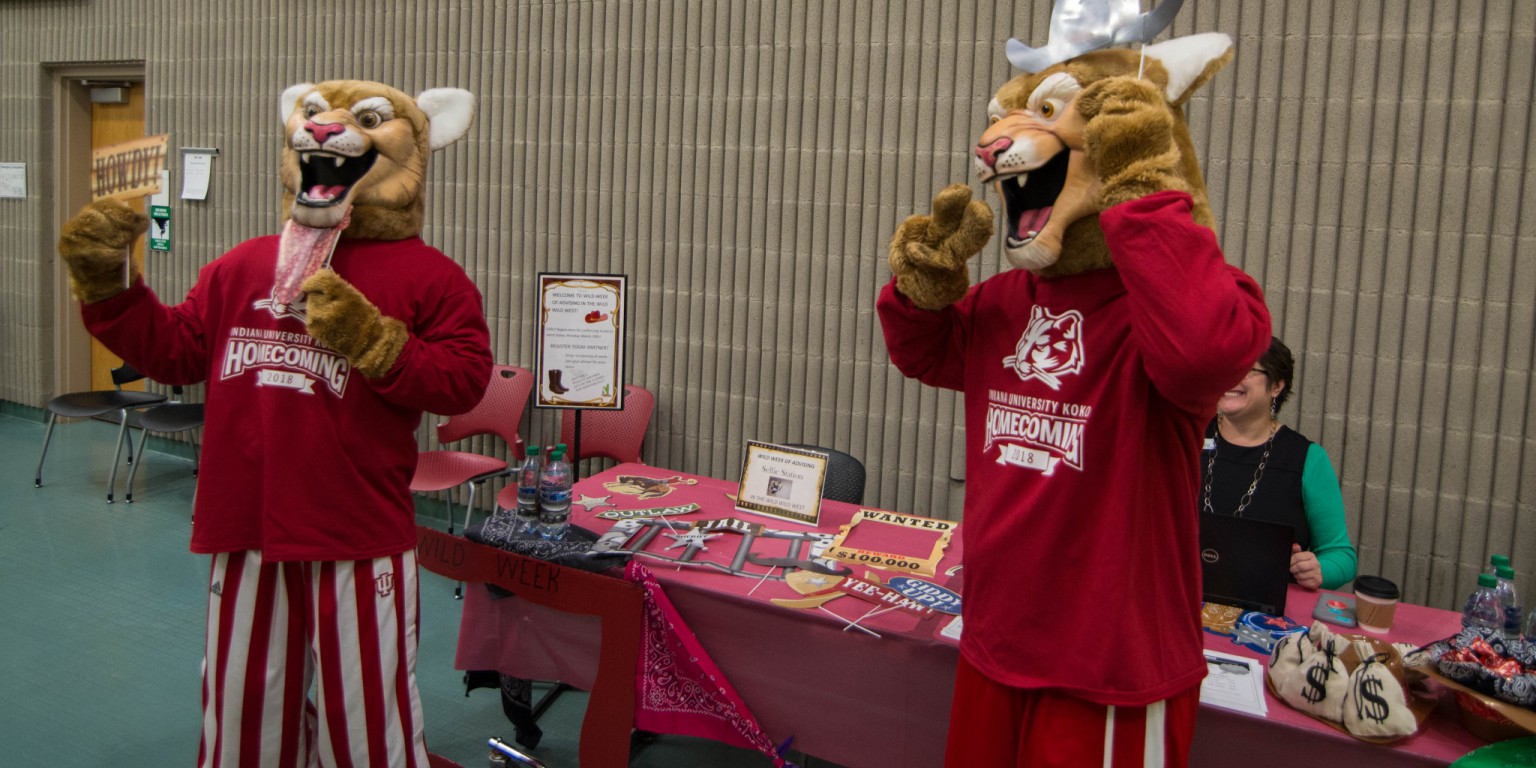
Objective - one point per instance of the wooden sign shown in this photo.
(129, 169)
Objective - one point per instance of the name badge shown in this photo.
(1210, 444)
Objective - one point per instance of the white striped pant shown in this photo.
(347, 629)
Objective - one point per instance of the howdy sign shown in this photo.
(129, 169)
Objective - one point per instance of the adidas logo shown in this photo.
(217, 588)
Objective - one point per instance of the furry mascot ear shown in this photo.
(1191, 61)
(451, 110)
(290, 97)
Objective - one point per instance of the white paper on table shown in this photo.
(195, 169)
(952, 629)
(1234, 682)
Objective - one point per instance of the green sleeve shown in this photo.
(1324, 504)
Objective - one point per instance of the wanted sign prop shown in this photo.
(940, 530)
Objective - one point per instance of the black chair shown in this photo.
(169, 417)
(845, 475)
(100, 402)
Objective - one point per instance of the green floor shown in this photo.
(101, 624)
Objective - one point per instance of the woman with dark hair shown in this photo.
(1256, 467)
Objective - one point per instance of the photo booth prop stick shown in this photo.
(880, 527)
(805, 547)
(129, 169)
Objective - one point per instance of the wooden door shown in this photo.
(114, 124)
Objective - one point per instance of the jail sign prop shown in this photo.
(130, 169)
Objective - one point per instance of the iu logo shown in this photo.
(1051, 347)
(385, 584)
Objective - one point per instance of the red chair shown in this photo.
(498, 413)
(616, 435)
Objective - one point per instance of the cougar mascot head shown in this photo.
(363, 146)
(1083, 127)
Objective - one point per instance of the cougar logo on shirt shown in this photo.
(1050, 348)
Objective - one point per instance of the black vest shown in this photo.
(1278, 495)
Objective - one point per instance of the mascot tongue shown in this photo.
(301, 252)
(1031, 222)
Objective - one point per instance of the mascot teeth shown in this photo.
(328, 178)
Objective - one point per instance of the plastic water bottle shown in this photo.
(1483, 606)
(528, 491)
(555, 497)
(1509, 601)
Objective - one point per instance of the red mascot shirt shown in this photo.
(302, 457)
(1085, 397)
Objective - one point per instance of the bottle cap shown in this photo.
(1505, 572)
(1487, 580)
(1498, 560)
(533, 450)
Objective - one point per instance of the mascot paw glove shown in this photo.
(1129, 134)
(340, 317)
(929, 252)
(95, 246)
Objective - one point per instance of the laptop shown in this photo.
(1244, 562)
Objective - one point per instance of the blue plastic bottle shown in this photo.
(528, 491)
(1483, 607)
(555, 497)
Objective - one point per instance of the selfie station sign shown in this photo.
(782, 483)
(581, 342)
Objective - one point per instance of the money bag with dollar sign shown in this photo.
(1375, 704)
(1317, 685)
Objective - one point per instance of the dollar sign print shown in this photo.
(1317, 681)
(1368, 701)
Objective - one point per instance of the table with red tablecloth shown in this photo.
(850, 697)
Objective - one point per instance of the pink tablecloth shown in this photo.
(1286, 734)
(863, 701)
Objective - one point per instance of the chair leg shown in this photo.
(469, 509)
(133, 471)
(37, 481)
(122, 431)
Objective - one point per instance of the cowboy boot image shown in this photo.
(554, 382)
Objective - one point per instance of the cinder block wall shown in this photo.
(745, 162)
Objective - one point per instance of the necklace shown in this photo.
(1258, 474)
